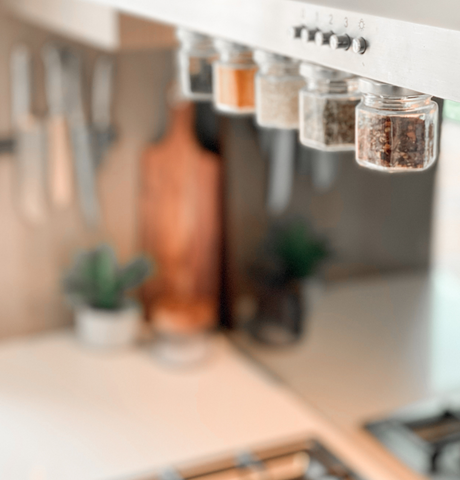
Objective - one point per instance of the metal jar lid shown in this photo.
(312, 71)
(189, 37)
(366, 85)
(262, 56)
(226, 45)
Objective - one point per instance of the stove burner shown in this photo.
(437, 432)
(427, 441)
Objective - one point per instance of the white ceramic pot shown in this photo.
(107, 328)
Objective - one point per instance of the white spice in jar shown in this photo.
(278, 83)
(277, 101)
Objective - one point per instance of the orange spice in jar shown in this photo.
(234, 75)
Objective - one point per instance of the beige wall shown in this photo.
(32, 258)
(375, 223)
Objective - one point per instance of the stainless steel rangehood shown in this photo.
(408, 43)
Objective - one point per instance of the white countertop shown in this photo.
(70, 413)
(67, 413)
(373, 346)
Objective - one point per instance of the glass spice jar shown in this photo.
(278, 82)
(327, 108)
(234, 75)
(396, 128)
(195, 59)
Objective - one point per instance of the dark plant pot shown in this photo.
(280, 316)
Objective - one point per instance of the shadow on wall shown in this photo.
(375, 223)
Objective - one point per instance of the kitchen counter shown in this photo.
(68, 413)
(373, 346)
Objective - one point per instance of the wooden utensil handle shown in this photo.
(60, 163)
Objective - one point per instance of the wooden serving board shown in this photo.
(181, 226)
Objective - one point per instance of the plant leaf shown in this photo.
(107, 292)
(134, 273)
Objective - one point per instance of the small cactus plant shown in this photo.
(96, 279)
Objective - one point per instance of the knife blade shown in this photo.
(30, 140)
(101, 106)
(281, 170)
(80, 140)
(60, 162)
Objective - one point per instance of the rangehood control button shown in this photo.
(322, 38)
(296, 31)
(359, 45)
(308, 34)
(340, 41)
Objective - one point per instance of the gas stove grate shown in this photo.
(428, 443)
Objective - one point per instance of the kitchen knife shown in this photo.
(324, 171)
(281, 170)
(30, 140)
(80, 140)
(60, 164)
(101, 106)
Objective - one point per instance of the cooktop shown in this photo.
(427, 439)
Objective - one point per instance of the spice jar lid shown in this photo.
(310, 70)
(226, 45)
(366, 85)
(186, 36)
(262, 56)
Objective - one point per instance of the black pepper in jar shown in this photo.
(339, 122)
(327, 108)
(328, 121)
(396, 128)
(395, 141)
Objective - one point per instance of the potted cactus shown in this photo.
(96, 286)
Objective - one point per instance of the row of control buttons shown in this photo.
(336, 42)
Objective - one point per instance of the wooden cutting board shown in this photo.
(180, 220)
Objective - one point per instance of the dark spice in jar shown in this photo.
(339, 122)
(329, 121)
(200, 75)
(396, 141)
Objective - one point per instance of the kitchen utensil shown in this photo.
(30, 142)
(324, 170)
(60, 163)
(101, 106)
(281, 171)
(81, 140)
(180, 217)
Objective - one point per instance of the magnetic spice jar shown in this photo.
(396, 128)
(278, 82)
(327, 108)
(195, 59)
(234, 75)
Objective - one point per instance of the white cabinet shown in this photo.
(97, 24)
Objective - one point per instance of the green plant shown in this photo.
(96, 279)
(298, 249)
(289, 252)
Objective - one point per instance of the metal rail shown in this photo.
(420, 55)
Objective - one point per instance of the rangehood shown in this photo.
(413, 44)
